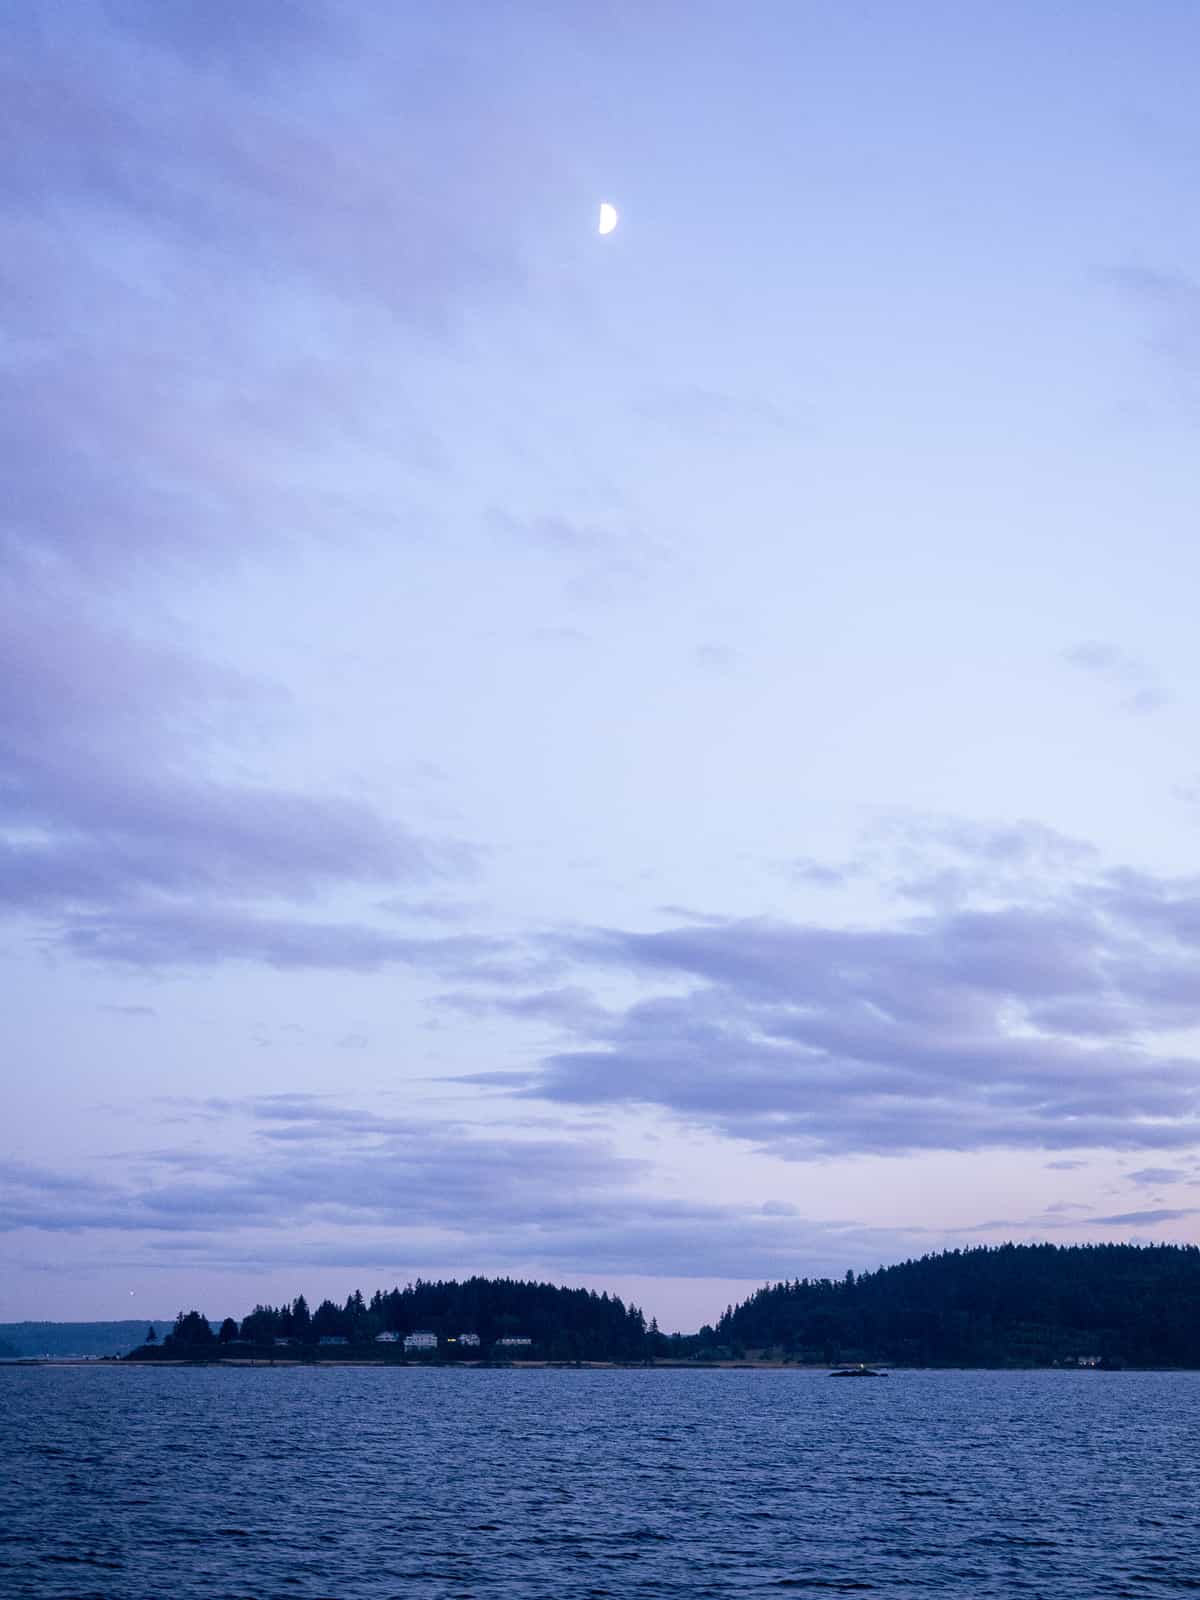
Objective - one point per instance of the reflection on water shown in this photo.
(134, 1484)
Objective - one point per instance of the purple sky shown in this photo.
(661, 761)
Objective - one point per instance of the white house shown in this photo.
(333, 1338)
(514, 1341)
(422, 1339)
(387, 1338)
(469, 1338)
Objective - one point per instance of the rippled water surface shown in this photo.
(134, 1483)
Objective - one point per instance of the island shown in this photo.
(1100, 1306)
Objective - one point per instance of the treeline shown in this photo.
(562, 1324)
(35, 1339)
(992, 1306)
(1006, 1305)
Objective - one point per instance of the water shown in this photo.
(142, 1484)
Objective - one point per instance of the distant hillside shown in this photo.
(75, 1338)
(1011, 1305)
(537, 1319)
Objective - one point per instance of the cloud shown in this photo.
(819, 874)
(192, 933)
(256, 41)
(295, 1179)
(333, 1184)
(571, 1007)
(225, 229)
(321, 1161)
(216, 372)
(428, 910)
(597, 563)
(115, 830)
(1170, 305)
(1137, 1219)
(991, 846)
(716, 657)
(110, 843)
(1152, 1177)
(553, 533)
(947, 861)
(1136, 682)
(967, 1027)
(651, 1239)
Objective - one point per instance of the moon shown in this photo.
(608, 218)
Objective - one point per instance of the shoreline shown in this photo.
(257, 1362)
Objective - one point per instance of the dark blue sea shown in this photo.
(143, 1484)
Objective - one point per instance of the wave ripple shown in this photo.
(425, 1484)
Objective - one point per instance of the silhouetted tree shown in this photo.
(301, 1320)
(261, 1325)
(328, 1321)
(1002, 1305)
(190, 1332)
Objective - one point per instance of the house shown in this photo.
(333, 1338)
(469, 1338)
(387, 1338)
(280, 1341)
(422, 1339)
(514, 1341)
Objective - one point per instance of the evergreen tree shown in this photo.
(191, 1332)
(1015, 1305)
(328, 1321)
(301, 1320)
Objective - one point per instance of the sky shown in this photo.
(663, 761)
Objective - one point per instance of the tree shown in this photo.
(328, 1321)
(355, 1315)
(261, 1325)
(191, 1331)
(301, 1320)
(151, 1336)
(229, 1331)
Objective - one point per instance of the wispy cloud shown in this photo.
(114, 827)
(333, 1184)
(167, 382)
(1132, 678)
(1154, 1177)
(193, 933)
(1169, 302)
(1138, 1219)
(944, 861)
(967, 1027)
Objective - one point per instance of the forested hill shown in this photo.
(1008, 1305)
(992, 1306)
(72, 1338)
(551, 1323)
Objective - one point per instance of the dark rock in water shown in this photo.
(857, 1372)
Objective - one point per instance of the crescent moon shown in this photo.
(608, 218)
